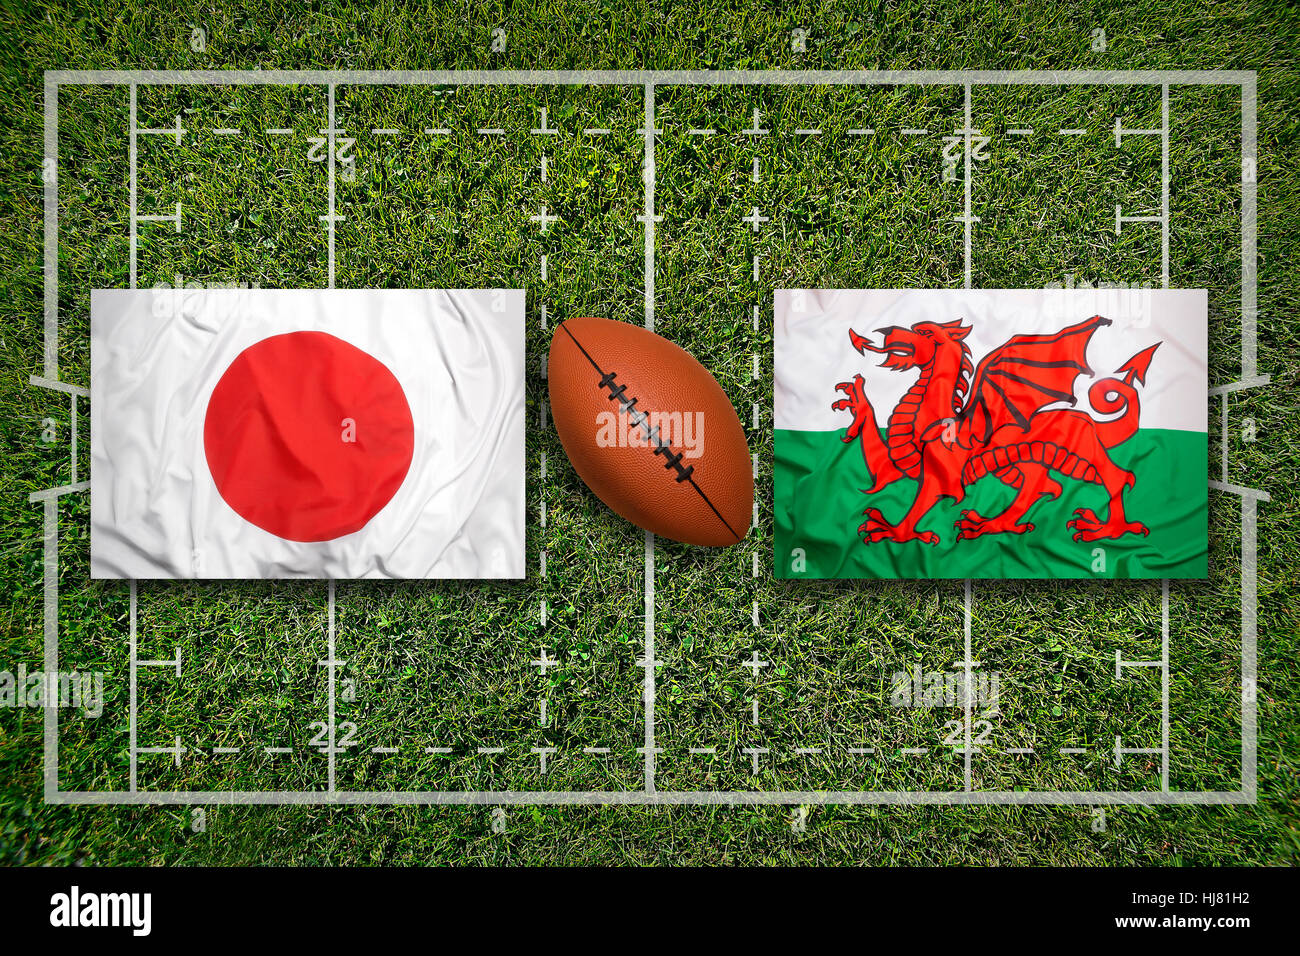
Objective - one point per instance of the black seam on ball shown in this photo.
(685, 473)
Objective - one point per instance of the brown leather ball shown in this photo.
(650, 431)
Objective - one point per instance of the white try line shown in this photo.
(660, 797)
(656, 77)
(134, 198)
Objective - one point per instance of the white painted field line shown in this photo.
(648, 663)
(133, 715)
(134, 194)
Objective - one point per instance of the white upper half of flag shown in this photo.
(158, 354)
(813, 352)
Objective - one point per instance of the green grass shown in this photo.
(444, 664)
(821, 469)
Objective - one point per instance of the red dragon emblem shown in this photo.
(958, 423)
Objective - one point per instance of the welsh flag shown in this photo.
(998, 433)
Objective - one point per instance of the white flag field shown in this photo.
(257, 433)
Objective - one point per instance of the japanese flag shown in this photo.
(253, 433)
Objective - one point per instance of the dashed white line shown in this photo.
(544, 754)
(545, 129)
(754, 754)
(1121, 132)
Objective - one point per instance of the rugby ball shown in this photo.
(650, 431)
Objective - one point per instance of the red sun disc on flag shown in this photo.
(307, 436)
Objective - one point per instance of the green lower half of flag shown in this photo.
(819, 481)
